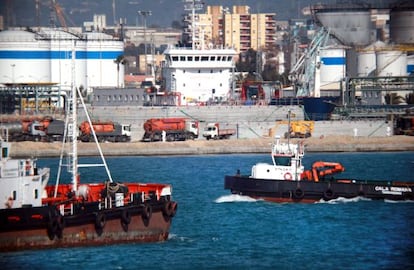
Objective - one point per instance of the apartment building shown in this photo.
(236, 28)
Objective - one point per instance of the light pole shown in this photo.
(144, 15)
(12, 66)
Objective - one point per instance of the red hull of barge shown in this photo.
(86, 235)
(142, 215)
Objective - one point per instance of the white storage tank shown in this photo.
(101, 53)
(46, 57)
(366, 63)
(410, 64)
(333, 64)
(62, 44)
(24, 58)
(391, 63)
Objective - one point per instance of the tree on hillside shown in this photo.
(247, 61)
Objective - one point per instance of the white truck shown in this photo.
(213, 131)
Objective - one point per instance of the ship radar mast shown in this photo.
(71, 134)
(193, 5)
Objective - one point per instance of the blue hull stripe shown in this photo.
(410, 68)
(328, 61)
(50, 55)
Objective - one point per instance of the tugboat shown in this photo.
(35, 215)
(286, 180)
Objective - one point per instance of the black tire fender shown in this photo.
(328, 194)
(146, 214)
(298, 193)
(169, 209)
(125, 219)
(100, 222)
(126, 216)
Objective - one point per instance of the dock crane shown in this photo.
(302, 74)
(57, 9)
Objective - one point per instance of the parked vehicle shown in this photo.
(300, 129)
(170, 129)
(34, 129)
(213, 131)
(404, 124)
(105, 131)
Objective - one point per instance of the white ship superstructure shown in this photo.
(197, 76)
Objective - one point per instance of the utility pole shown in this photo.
(144, 15)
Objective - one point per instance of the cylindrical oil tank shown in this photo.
(350, 27)
(402, 26)
(46, 56)
(80, 68)
(391, 63)
(62, 44)
(101, 52)
(410, 64)
(366, 63)
(333, 64)
(23, 57)
(367, 59)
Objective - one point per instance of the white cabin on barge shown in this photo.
(22, 183)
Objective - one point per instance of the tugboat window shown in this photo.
(283, 161)
(4, 152)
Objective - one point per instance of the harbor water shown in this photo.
(216, 230)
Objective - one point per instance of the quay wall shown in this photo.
(250, 121)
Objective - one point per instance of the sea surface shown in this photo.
(216, 230)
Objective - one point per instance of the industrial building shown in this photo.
(362, 54)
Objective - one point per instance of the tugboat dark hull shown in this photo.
(311, 191)
(43, 227)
